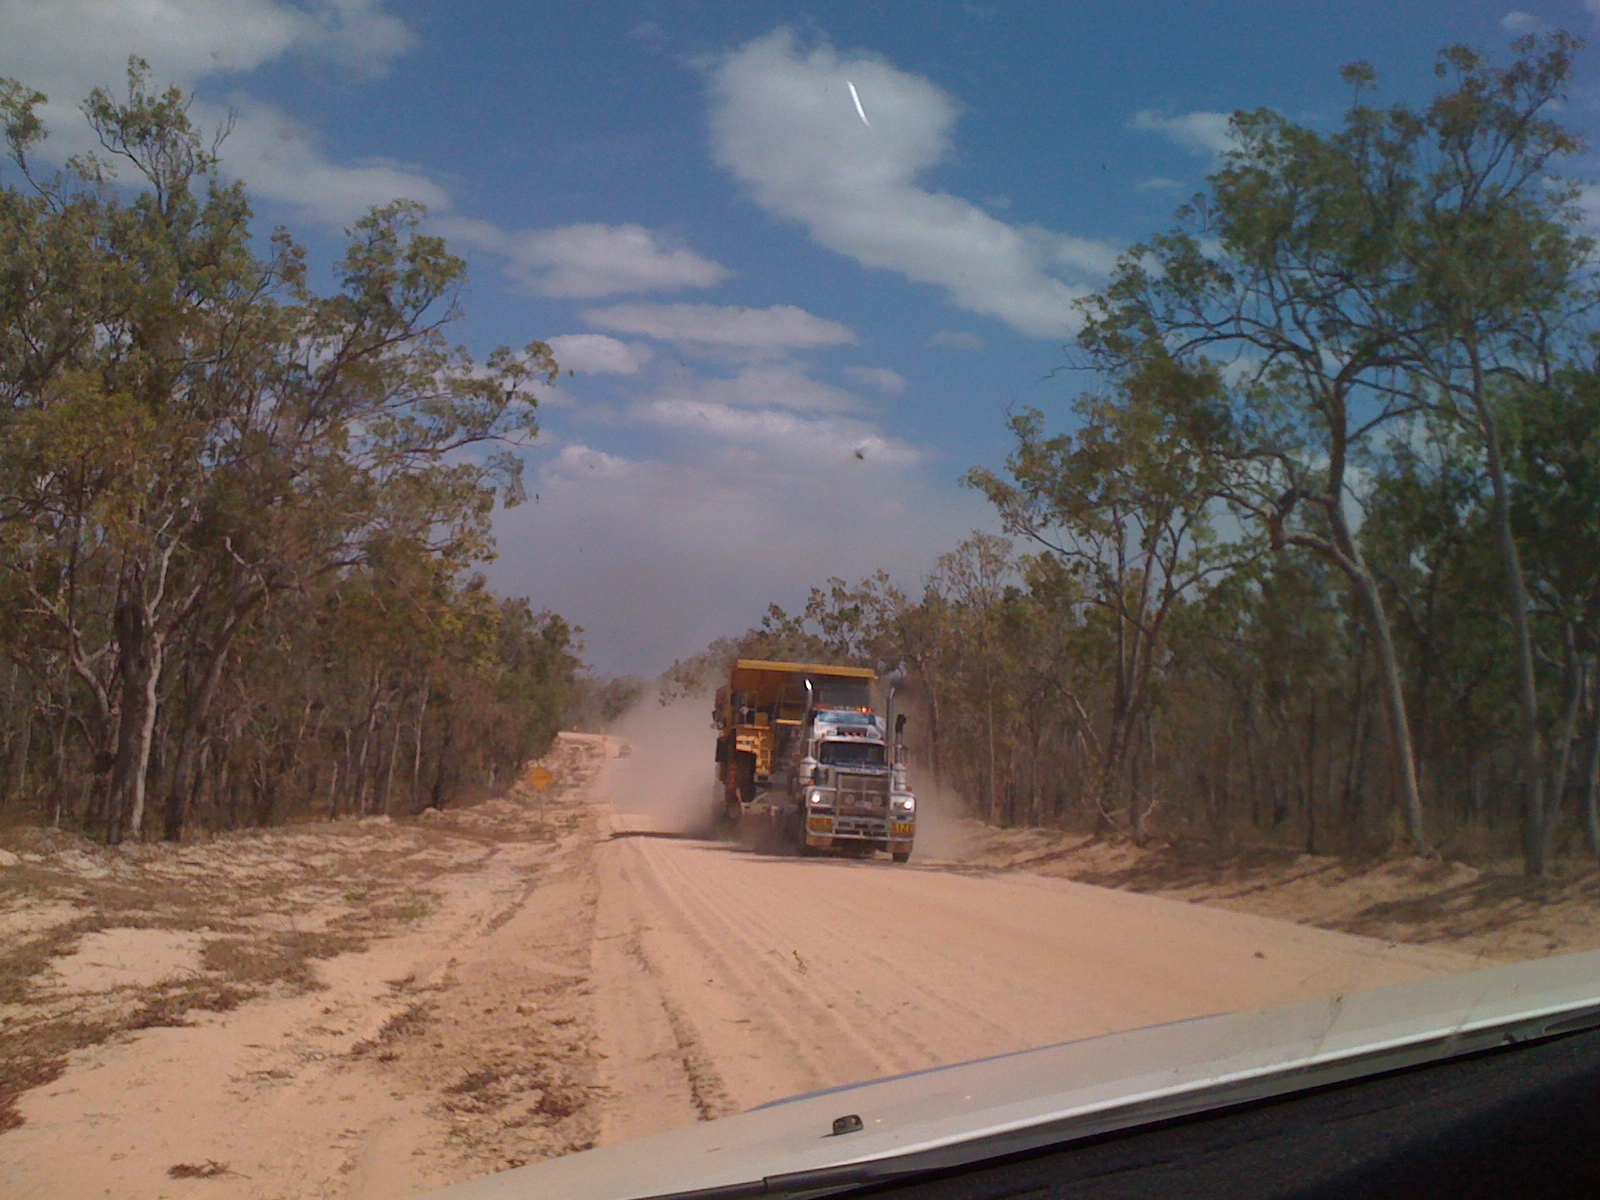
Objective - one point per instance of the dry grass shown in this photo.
(209, 1169)
(253, 895)
(407, 1023)
(283, 958)
(37, 1054)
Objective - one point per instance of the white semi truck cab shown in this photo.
(848, 789)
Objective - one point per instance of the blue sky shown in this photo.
(790, 330)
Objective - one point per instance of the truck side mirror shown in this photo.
(899, 724)
(816, 774)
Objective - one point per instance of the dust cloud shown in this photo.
(667, 769)
(666, 780)
(943, 831)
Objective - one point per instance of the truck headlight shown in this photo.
(905, 804)
(816, 798)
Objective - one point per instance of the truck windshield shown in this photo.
(852, 754)
(841, 693)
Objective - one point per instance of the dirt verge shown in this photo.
(1493, 913)
(356, 1008)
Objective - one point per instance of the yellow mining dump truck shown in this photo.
(800, 745)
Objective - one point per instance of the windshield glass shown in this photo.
(851, 754)
(1171, 429)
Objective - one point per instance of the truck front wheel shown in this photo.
(901, 856)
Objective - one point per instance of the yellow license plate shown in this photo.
(819, 824)
(904, 829)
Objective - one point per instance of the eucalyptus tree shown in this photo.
(1352, 280)
(1553, 503)
(1274, 274)
(186, 427)
(1497, 291)
(974, 581)
(1129, 507)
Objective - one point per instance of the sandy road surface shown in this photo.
(369, 1009)
(727, 978)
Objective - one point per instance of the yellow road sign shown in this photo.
(540, 778)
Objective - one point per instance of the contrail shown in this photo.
(860, 112)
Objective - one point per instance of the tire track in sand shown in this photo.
(775, 976)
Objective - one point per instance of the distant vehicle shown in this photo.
(800, 745)
(1485, 1084)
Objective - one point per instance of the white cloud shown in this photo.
(577, 461)
(1158, 183)
(786, 437)
(590, 261)
(955, 339)
(1520, 22)
(278, 158)
(779, 328)
(67, 47)
(882, 378)
(781, 385)
(596, 354)
(360, 34)
(552, 395)
(782, 121)
(1203, 133)
(734, 492)
(74, 45)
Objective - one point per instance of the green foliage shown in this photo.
(208, 469)
(1127, 506)
(1417, 267)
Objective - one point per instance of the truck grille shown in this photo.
(873, 828)
(860, 794)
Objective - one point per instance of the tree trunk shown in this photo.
(1561, 768)
(1399, 724)
(1310, 785)
(181, 791)
(333, 789)
(1105, 786)
(990, 815)
(360, 775)
(416, 754)
(1591, 785)
(394, 753)
(137, 665)
(1535, 843)
(25, 749)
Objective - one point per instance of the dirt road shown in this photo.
(740, 978)
(366, 1010)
